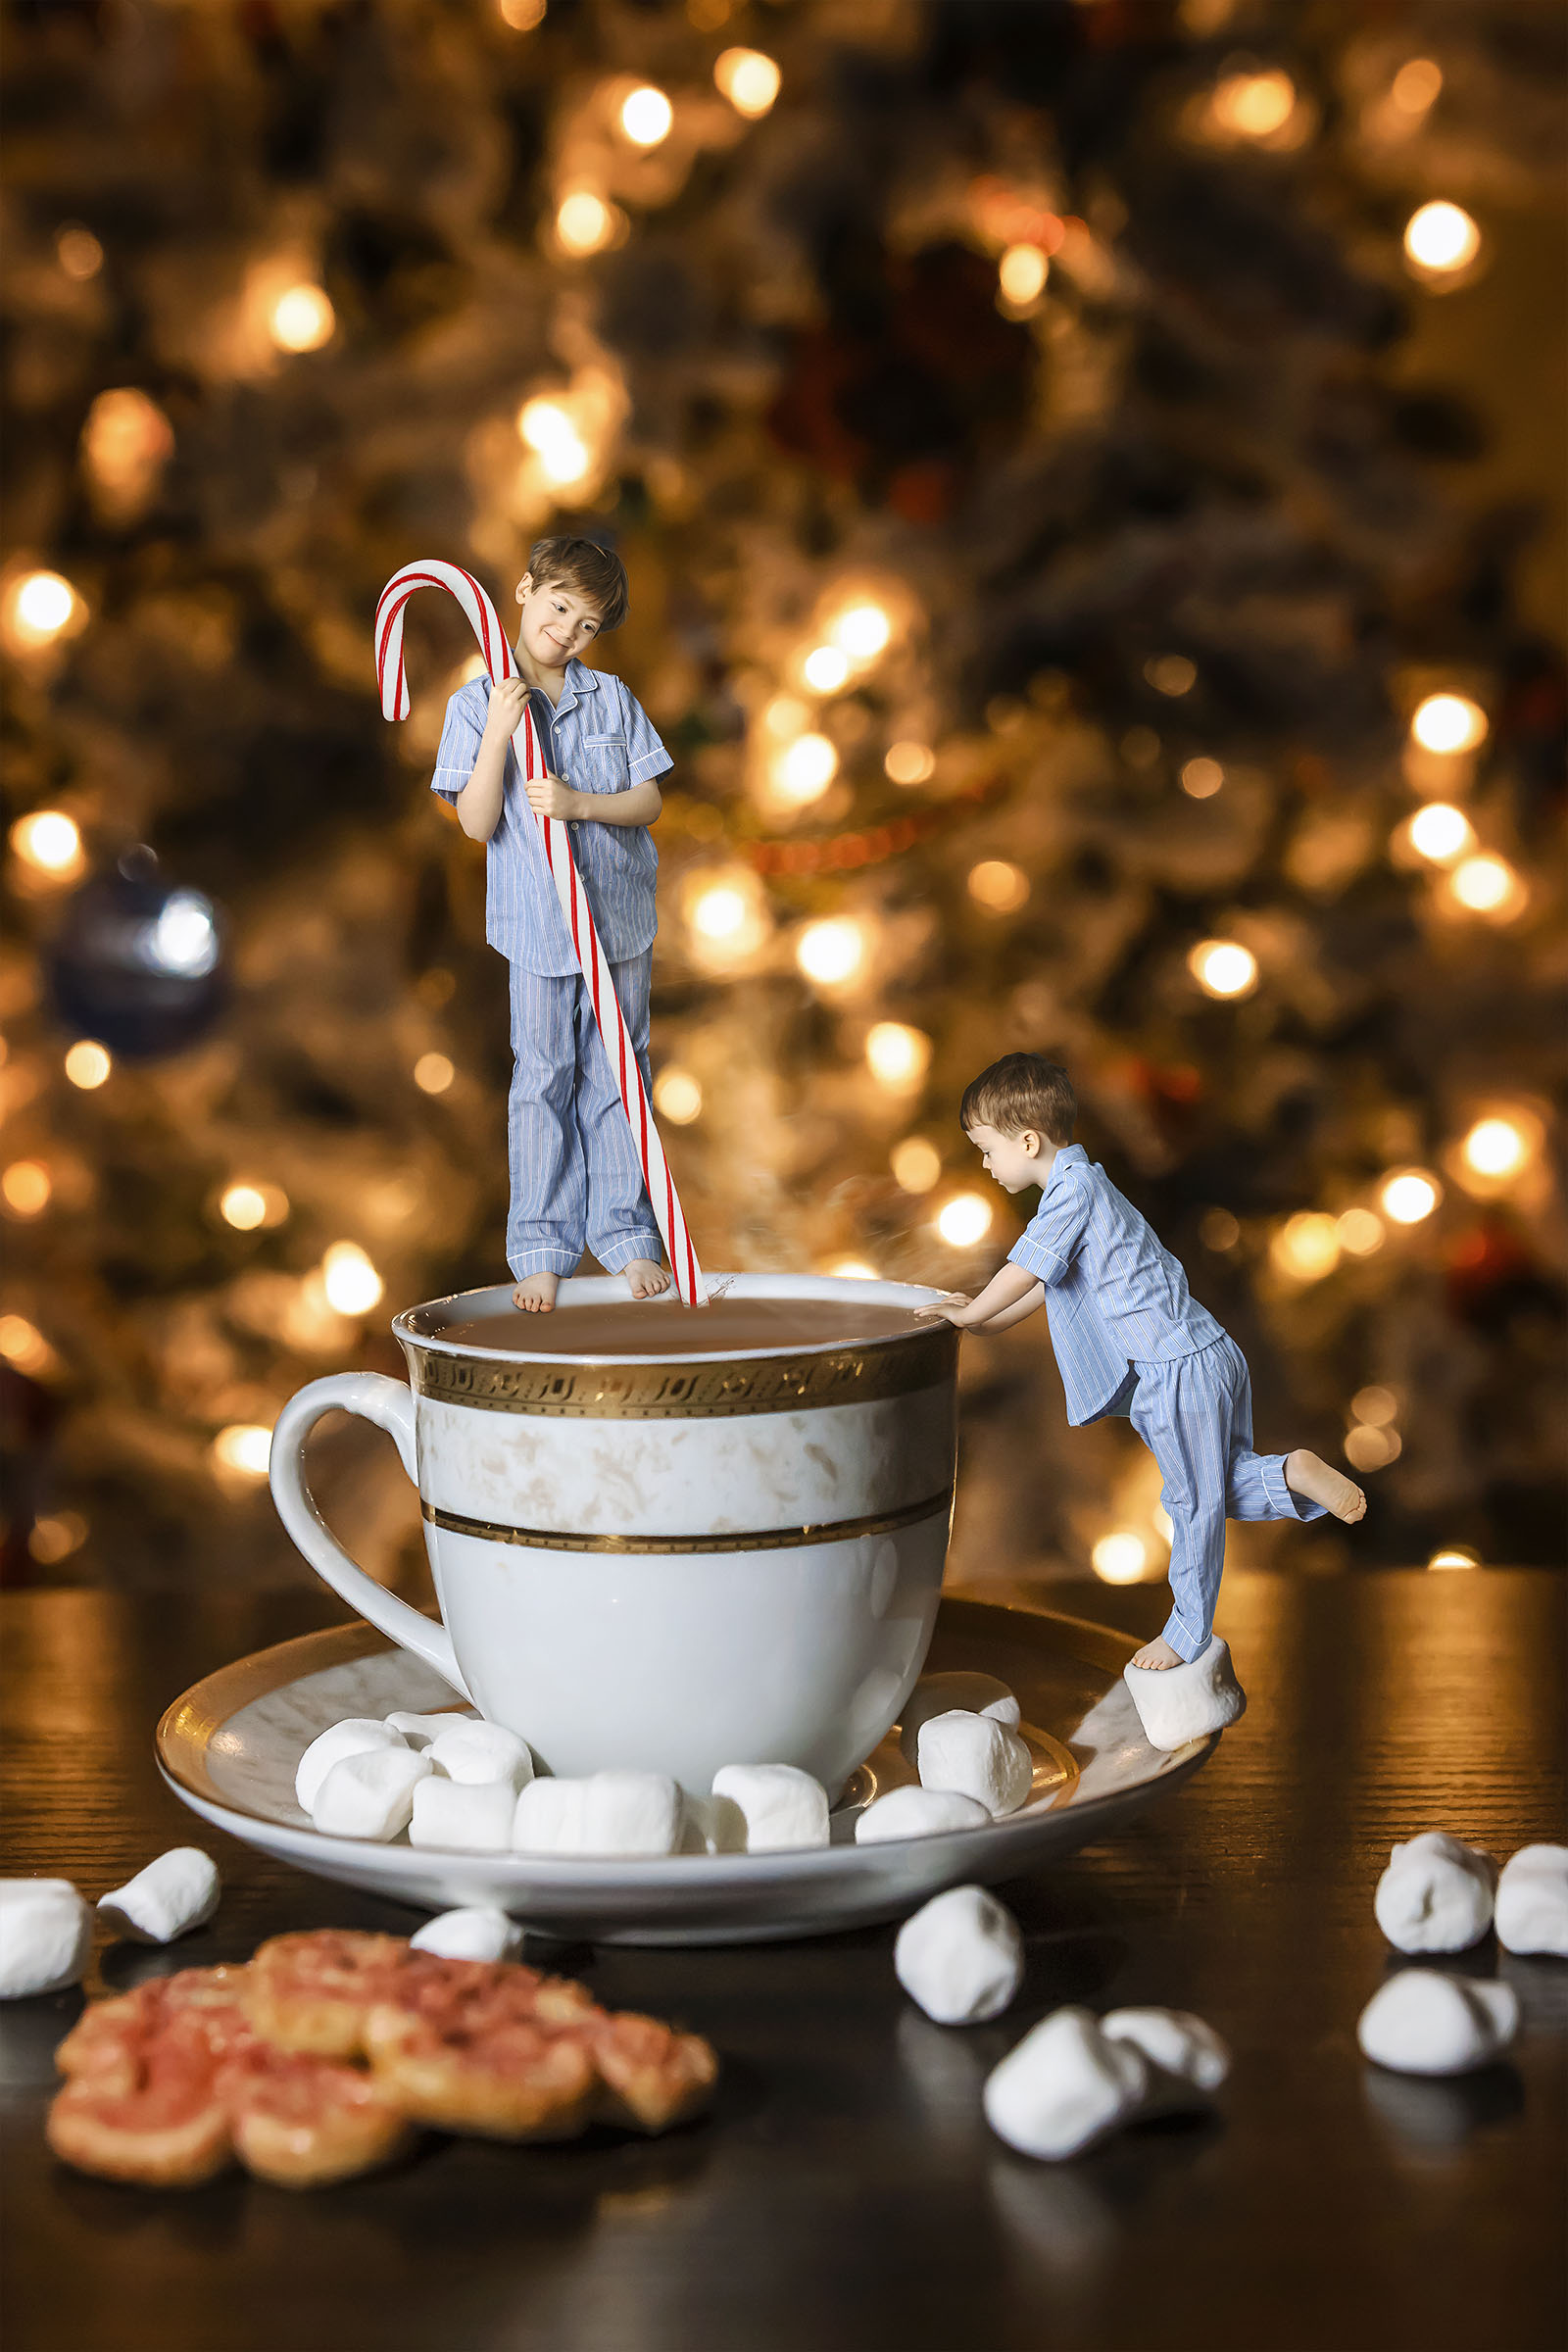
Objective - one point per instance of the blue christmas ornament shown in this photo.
(137, 964)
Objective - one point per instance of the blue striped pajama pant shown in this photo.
(575, 1177)
(1195, 1414)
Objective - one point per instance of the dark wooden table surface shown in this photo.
(845, 2196)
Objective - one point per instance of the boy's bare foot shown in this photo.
(1310, 1475)
(535, 1294)
(1157, 1654)
(643, 1279)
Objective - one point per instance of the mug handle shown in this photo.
(390, 1405)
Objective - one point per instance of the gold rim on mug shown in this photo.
(768, 1539)
(655, 1391)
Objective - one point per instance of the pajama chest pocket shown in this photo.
(605, 760)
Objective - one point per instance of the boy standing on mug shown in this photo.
(575, 1178)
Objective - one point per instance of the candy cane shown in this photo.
(498, 659)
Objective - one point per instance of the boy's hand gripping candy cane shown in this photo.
(618, 1045)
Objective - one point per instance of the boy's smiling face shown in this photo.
(1012, 1160)
(557, 624)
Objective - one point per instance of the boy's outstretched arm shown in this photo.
(1010, 1287)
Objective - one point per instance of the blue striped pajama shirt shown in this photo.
(1130, 1340)
(575, 1178)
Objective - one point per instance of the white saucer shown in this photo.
(229, 1746)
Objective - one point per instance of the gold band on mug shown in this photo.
(687, 1390)
(768, 1539)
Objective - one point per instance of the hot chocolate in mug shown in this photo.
(666, 1537)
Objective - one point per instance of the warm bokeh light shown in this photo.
(1376, 1406)
(1497, 1146)
(1223, 967)
(908, 762)
(433, 1073)
(1171, 673)
(852, 1269)
(50, 842)
(79, 252)
(826, 668)
(645, 117)
(25, 1188)
(915, 1163)
(1409, 1195)
(39, 606)
(1416, 85)
(719, 912)
(585, 224)
(1360, 1231)
(301, 320)
(244, 1448)
(785, 715)
(1307, 1247)
(551, 434)
(1440, 833)
(998, 885)
(522, 15)
(802, 773)
(1119, 1558)
(964, 1220)
(1367, 1448)
(896, 1055)
(1219, 1230)
(861, 631)
(24, 1344)
(352, 1284)
(125, 443)
(244, 1206)
(1455, 1555)
(87, 1064)
(677, 1095)
(1487, 885)
(749, 80)
(831, 951)
(1253, 106)
(726, 915)
(56, 1537)
(1442, 239)
(1201, 778)
(1448, 723)
(1021, 274)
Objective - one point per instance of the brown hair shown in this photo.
(1022, 1090)
(595, 574)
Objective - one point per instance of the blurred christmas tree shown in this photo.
(1083, 614)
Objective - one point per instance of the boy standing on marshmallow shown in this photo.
(1130, 1340)
(575, 1177)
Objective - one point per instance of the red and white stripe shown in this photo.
(498, 658)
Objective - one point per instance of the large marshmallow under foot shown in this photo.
(1422, 2023)
(1435, 1894)
(45, 1937)
(784, 1809)
(960, 1956)
(978, 1757)
(920, 1813)
(476, 1933)
(172, 1895)
(1178, 1703)
(1533, 1901)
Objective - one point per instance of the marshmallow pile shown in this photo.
(46, 1928)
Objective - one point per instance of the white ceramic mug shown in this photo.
(671, 1563)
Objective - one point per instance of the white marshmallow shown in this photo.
(920, 1813)
(1423, 2023)
(630, 1813)
(978, 1757)
(784, 1809)
(419, 1730)
(482, 1751)
(1533, 1901)
(1178, 2043)
(1064, 2086)
(371, 1794)
(1178, 1703)
(474, 1816)
(172, 1895)
(960, 1956)
(549, 1817)
(472, 1935)
(1435, 1894)
(45, 1937)
(940, 1693)
(355, 1735)
(712, 1825)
